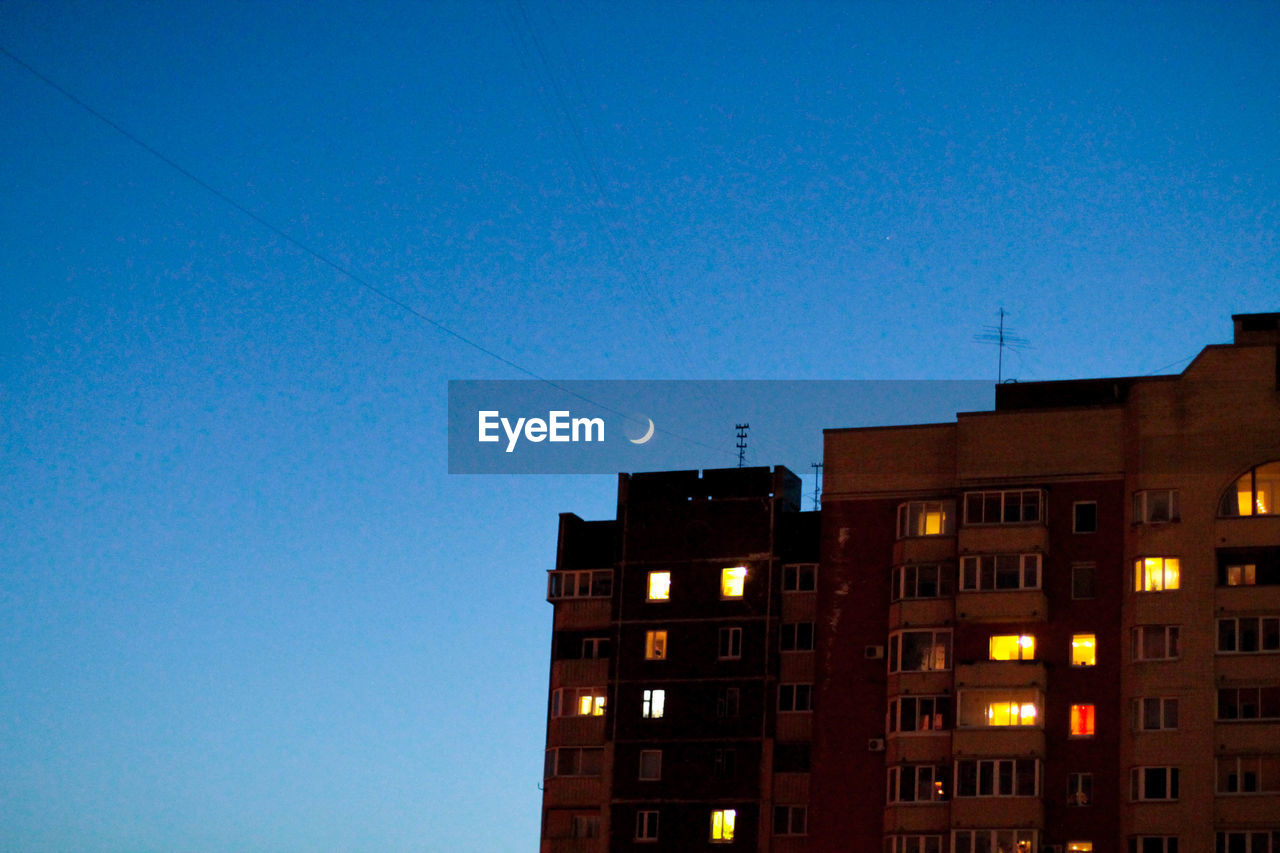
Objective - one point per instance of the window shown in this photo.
(799, 578)
(1012, 647)
(592, 584)
(1155, 642)
(1153, 783)
(1084, 650)
(924, 580)
(727, 702)
(1249, 634)
(586, 826)
(595, 648)
(653, 704)
(909, 714)
(655, 645)
(1155, 574)
(920, 651)
(724, 763)
(797, 637)
(732, 581)
(1249, 703)
(1155, 713)
(795, 697)
(1153, 844)
(1007, 706)
(659, 588)
(1079, 847)
(1083, 584)
(722, 821)
(1082, 721)
(791, 758)
(1079, 789)
(573, 761)
(1249, 841)
(1084, 518)
(913, 844)
(1000, 571)
(1242, 574)
(790, 820)
(1015, 506)
(650, 765)
(926, 518)
(730, 646)
(917, 783)
(646, 826)
(998, 777)
(578, 702)
(1255, 493)
(1249, 774)
(1155, 506)
(993, 840)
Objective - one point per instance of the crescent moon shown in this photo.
(644, 438)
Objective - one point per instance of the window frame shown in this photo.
(1086, 719)
(650, 753)
(646, 825)
(1163, 704)
(599, 584)
(729, 703)
(913, 516)
(933, 778)
(948, 650)
(1229, 503)
(990, 773)
(599, 648)
(1147, 581)
(998, 696)
(973, 568)
(655, 644)
(733, 583)
(1075, 517)
(1172, 643)
(788, 813)
(800, 639)
(946, 716)
(557, 758)
(905, 574)
(1168, 843)
(723, 823)
(1261, 637)
(729, 643)
(1267, 698)
(794, 574)
(914, 843)
(565, 698)
(1025, 644)
(653, 703)
(993, 839)
(982, 500)
(1143, 510)
(654, 583)
(1080, 641)
(1261, 778)
(793, 695)
(1139, 782)
(1077, 795)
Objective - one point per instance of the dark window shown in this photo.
(797, 637)
(791, 758)
(1085, 517)
(1082, 580)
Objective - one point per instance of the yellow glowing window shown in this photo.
(591, 706)
(1082, 721)
(1084, 650)
(1079, 847)
(732, 581)
(655, 645)
(1013, 647)
(1155, 574)
(1242, 575)
(1011, 714)
(722, 821)
(659, 586)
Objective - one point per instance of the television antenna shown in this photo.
(1000, 336)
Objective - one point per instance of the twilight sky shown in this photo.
(242, 604)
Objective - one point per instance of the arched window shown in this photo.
(1255, 493)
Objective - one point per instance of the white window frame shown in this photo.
(938, 649)
(1007, 498)
(908, 575)
(933, 776)
(1172, 642)
(1260, 717)
(1169, 843)
(792, 636)
(938, 721)
(914, 844)
(1025, 644)
(913, 518)
(1162, 704)
(723, 830)
(1242, 767)
(1138, 783)
(789, 823)
(646, 825)
(1144, 503)
(795, 698)
(794, 574)
(558, 758)
(1146, 581)
(729, 644)
(652, 755)
(653, 703)
(992, 768)
(1260, 635)
(977, 568)
(988, 696)
(567, 701)
(580, 580)
(1032, 837)
(1270, 839)
(1077, 796)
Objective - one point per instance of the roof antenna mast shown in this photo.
(742, 442)
(817, 484)
(1001, 337)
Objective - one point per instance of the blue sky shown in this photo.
(242, 604)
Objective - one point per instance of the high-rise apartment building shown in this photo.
(1054, 626)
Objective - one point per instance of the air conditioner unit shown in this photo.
(875, 744)
(874, 652)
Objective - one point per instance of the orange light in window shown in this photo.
(1082, 721)
(655, 645)
(1012, 647)
(732, 581)
(1084, 650)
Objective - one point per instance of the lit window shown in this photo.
(1244, 574)
(578, 702)
(1249, 774)
(1000, 571)
(993, 840)
(646, 826)
(1012, 647)
(1155, 506)
(926, 518)
(1155, 713)
(730, 646)
(659, 586)
(1155, 642)
(998, 777)
(917, 783)
(650, 765)
(1079, 847)
(1155, 574)
(1082, 721)
(1084, 650)
(722, 821)
(1011, 706)
(920, 651)
(732, 581)
(1249, 634)
(1079, 789)
(1084, 518)
(653, 703)
(799, 578)
(1153, 783)
(790, 820)
(1014, 506)
(655, 645)
(1255, 493)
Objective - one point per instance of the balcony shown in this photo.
(579, 673)
(921, 611)
(1014, 812)
(1003, 538)
(999, 741)
(1002, 673)
(917, 817)
(1023, 605)
(582, 613)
